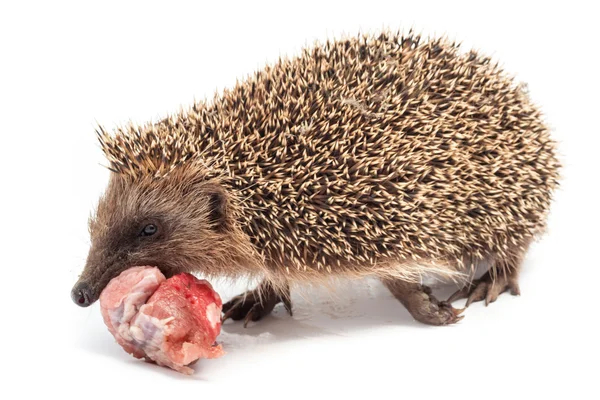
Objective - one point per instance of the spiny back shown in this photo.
(366, 149)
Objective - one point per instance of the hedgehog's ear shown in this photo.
(218, 207)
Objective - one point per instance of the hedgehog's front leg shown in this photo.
(421, 304)
(257, 303)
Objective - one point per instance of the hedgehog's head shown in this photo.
(183, 221)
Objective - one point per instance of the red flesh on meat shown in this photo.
(172, 322)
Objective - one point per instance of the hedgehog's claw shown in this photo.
(445, 314)
(255, 304)
(252, 314)
(487, 288)
(287, 303)
(459, 294)
(229, 311)
(422, 304)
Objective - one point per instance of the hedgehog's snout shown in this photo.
(82, 294)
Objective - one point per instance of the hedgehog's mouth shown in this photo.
(88, 288)
(166, 270)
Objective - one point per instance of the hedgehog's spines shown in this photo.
(386, 151)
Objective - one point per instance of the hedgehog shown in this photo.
(382, 155)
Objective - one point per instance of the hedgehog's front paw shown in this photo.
(255, 304)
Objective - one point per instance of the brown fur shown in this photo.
(374, 155)
(196, 221)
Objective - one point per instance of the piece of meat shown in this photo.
(172, 322)
(122, 299)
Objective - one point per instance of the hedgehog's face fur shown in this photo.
(178, 223)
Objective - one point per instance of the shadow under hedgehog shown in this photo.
(376, 155)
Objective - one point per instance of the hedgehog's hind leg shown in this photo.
(502, 276)
(491, 285)
(421, 304)
(256, 304)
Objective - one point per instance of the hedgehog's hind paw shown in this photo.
(488, 288)
(437, 313)
(422, 305)
(255, 304)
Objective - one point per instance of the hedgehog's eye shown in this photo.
(149, 230)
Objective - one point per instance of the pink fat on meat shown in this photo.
(172, 322)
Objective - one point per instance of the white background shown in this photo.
(65, 67)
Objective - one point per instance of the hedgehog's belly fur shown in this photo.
(369, 153)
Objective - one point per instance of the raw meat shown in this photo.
(172, 322)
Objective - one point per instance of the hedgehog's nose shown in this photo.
(82, 294)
